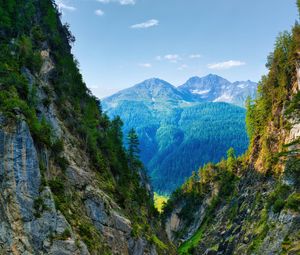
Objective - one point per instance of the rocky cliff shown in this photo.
(66, 185)
(250, 204)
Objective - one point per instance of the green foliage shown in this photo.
(293, 105)
(28, 56)
(160, 201)
(88, 235)
(41, 131)
(57, 146)
(57, 186)
(293, 202)
(193, 191)
(273, 92)
(250, 118)
(292, 170)
(133, 144)
(158, 243)
(277, 198)
(65, 235)
(188, 246)
(39, 206)
(133, 150)
(231, 159)
(278, 205)
(260, 232)
(177, 140)
(27, 27)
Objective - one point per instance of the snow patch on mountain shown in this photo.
(224, 98)
(200, 92)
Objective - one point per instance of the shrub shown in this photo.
(277, 198)
(65, 235)
(158, 243)
(86, 233)
(278, 205)
(57, 146)
(292, 170)
(293, 202)
(62, 162)
(41, 131)
(39, 206)
(57, 186)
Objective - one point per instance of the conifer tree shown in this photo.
(133, 149)
(230, 159)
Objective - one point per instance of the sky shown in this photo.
(120, 43)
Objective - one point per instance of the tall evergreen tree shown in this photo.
(133, 149)
(231, 159)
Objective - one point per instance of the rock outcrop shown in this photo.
(250, 204)
(66, 186)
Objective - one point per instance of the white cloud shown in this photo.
(173, 58)
(146, 65)
(64, 7)
(122, 2)
(182, 67)
(146, 24)
(193, 56)
(127, 2)
(226, 65)
(99, 12)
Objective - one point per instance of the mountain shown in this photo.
(67, 185)
(174, 127)
(213, 88)
(150, 91)
(250, 204)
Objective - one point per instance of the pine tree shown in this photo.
(250, 125)
(133, 149)
(231, 159)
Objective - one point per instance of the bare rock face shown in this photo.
(29, 220)
(115, 228)
(173, 224)
(22, 229)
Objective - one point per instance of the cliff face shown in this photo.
(22, 230)
(251, 204)
(30, 221)
(67, 185)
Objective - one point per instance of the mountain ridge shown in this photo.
(174, 126)
(210, 88)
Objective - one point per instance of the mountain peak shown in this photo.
(210, 88)
(153, 82)
(214, 88)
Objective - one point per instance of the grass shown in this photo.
(192, 242)
(293, 202)
(261, 231)
(160, 201)
(159, 243)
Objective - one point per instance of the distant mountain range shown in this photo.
(211, 88)
(182, 128)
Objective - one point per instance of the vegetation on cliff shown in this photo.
(239, 202)
(31, 34)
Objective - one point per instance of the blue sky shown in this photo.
(122, 42)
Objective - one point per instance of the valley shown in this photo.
(180, 130)
(74, 176)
